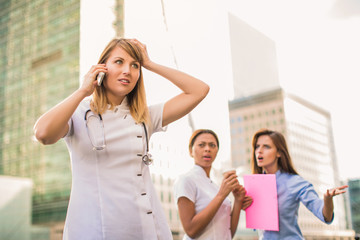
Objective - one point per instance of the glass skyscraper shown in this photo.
(40, 42)
(40, 67)
(354, 197)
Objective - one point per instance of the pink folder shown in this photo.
(263, 212)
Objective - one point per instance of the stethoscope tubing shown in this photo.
(147, 158)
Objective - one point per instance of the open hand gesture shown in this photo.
(335, 191)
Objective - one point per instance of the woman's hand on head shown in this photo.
(144, 53)
(90, 81)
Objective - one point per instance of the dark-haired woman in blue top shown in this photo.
(271, 156)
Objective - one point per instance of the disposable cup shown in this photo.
(232, 170)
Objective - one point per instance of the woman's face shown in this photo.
(122, 76)
(266, 154)
(204, 150)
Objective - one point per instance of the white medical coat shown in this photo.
(112, 195)
(201, 190)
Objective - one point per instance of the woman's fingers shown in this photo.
(343, 187)
(94, 71)
(89, 81)
(229, 183)
(143, 49)
(247, 202)
(336, 191)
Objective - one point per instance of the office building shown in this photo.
(354, 200)
(46, 47)
(254, 59)
(307, 129)
(262, 103)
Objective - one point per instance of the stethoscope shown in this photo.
(146, 158)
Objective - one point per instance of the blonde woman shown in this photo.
(107, 128)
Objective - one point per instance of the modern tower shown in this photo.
(262, 103)
(354, 199)
(45, 46)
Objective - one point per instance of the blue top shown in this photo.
(291, 189)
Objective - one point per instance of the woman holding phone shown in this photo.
(107, 128)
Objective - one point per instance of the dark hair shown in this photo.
(197, 133)
(284, 162)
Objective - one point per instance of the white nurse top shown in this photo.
(201, 190)
(112, 195)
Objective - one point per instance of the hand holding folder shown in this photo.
(263, 212)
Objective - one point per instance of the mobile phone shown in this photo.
(100, 78)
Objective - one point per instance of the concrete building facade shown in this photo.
(307, 129)
(260, 102)
(44, 46)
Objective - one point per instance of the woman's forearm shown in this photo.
(203, 218)
(194, 224)
(187, 83)
(328, 209)
(193, 92)
(235, 215)
(53, 124)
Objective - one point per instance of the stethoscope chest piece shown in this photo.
(147, 158)
(99, 145)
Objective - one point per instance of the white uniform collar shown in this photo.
(199, 170)
(124, 105)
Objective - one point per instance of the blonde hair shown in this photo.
(136, 98)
